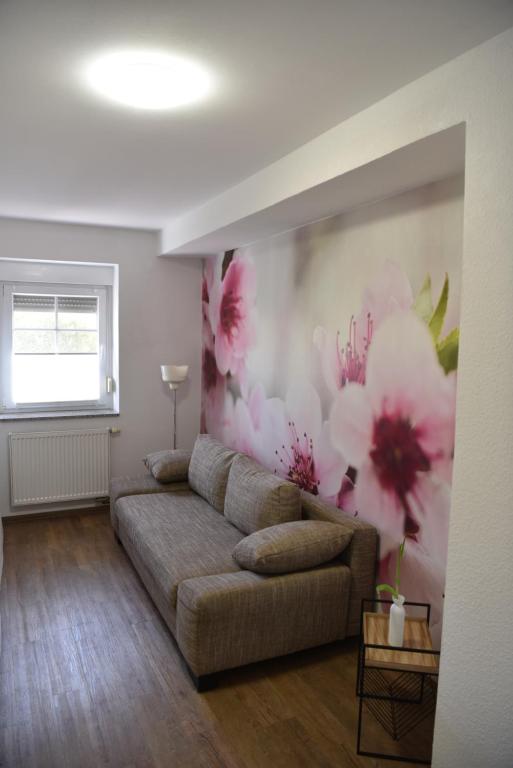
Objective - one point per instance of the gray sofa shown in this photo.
(181, 535)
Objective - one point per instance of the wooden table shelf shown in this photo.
(397, 685)
(416, 637)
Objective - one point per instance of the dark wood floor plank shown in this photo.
(91, 677)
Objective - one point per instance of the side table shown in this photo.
(397, 686)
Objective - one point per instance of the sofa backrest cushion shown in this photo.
(208, 470)
(291, 546)
(255, 498)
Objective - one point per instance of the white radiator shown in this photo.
(59, 466)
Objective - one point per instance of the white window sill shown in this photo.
(37, 415)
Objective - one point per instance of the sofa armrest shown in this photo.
(138, 486)
(360, 556)
(232, 619)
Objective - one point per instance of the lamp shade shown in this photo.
(174, 374)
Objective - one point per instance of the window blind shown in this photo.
(76, 303)
(28, 303)
(33, 303)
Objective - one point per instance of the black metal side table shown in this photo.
(397, 686)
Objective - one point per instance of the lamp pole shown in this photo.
(174, 375)
(175, 389)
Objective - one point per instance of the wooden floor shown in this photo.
(91, 677)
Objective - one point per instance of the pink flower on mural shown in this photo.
(388, 292)
(209, 276)
(298, 444)
(231, 307)
(398, 430)
(249, 414)
(220, 423)
(343, 364)
(213, 383)
(345, 498)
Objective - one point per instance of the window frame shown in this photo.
(106, 401)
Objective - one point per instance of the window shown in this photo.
(56, 348)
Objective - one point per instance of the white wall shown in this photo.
(159, 321)
(475, 702)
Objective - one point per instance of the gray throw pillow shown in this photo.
(170, 466)
(291, 547)
(208, 470)
(256, 498)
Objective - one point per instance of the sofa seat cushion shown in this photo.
(208, 470)
(231, 619)
(291, 547)
(177, 536)
(256, 498)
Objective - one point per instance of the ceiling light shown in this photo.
(146, 79)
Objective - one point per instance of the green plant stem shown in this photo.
(398, 567)
(395, 592)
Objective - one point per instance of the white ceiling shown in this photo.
(286, 71)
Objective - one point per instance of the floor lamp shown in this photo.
(174, 375)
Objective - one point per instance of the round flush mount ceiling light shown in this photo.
(146, 79)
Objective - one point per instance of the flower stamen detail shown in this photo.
(298, 462)
(352, 361)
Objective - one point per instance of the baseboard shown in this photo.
(46, 514)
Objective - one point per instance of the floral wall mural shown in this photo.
(349, 392)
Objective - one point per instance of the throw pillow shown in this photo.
(168, 466)
(291, 546)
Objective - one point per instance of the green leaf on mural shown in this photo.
(423, 304)
(438, 316)
(447, 351)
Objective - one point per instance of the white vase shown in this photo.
(396, 622)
